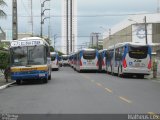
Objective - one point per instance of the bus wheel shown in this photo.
(18, 82)
(49, 77)
(120, 75)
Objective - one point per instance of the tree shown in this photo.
(4, 63)
(100, 47)
(2, 13)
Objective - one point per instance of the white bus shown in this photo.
(87, 59)
(131, 59)
(65, 60)
(30, 59)
(54, 61)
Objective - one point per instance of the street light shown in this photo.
(42, 22)
(42, 5)
(44, 19)
(44, 11)
(42, 14)
(145, 28)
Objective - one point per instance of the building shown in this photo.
(69, 26)
(133, 29)
(94, 38)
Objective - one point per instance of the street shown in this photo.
(70, 92)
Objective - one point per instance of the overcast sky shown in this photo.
(87, 9)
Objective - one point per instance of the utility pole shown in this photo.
(14, 20)
(145, 24)
(42, 14)
(97, 36)
(67, 26)
(71, 25)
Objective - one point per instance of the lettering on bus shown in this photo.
(26, 43)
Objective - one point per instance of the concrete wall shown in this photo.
(124, 35)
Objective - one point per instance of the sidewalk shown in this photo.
(151, 77)
(3, 81)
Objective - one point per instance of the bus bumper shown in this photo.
(142, 71)
(16, 76)
(88, 68)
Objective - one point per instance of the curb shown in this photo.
(6, 85)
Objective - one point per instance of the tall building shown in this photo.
(69, 26)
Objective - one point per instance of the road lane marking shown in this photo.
(124, 99)
(109, 90)
(99, 84)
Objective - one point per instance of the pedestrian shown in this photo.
(7, 73)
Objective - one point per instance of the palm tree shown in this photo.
(2, 13)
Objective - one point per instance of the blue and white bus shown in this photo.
(54, 61)
(30, 59)
(87, 59)
(65, 60)
(102, 60)
(131, 59)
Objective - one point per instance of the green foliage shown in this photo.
(60, 53)
(4, 45)
(4, 59)
(100, 47)
(51, 49)
(47, 40)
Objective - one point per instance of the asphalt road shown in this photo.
(70, 92)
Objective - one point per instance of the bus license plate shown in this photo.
(41, 75)
(137, 65)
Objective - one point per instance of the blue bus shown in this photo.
(130, 59)
(30, 59)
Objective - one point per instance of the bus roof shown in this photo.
(53, 53)
(127, 43)
(64, 55)
(88, 49)
(102, 50)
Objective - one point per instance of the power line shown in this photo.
(96, 15)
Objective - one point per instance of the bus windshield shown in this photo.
(89, 55)
(30, 55)
(138, 52)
